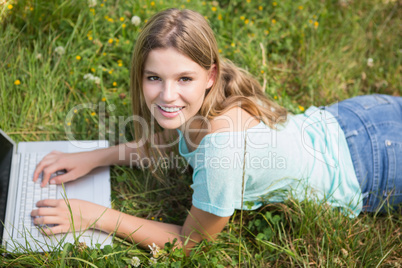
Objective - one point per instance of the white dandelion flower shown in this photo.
(152, 261)
(135, 261)
(89, 76)
(38, 56)
(370, 62)
(136, 20)
(91, 3)
(96, 80)
(60, 50)
(154, 250)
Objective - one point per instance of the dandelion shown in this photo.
(219, 17)
(60, 50)
(92, 10)
(274, 4)
(310, 21)
(370, 62)
(242, 17)
(213, 9)
(110, 41)
(91, 3)
(160, 219)
(153, 261)
(301, 108)
(102, 5)
(135, 261)
(103, 99)
(90, 38)
(232, 44)
(246, 21)
(266, 32)
(136, 20)
(93, 70)
(152, 3)
(17, 82)
(220, 50)
(123, 25)
(93, 113)
(316, 24)
(120, 64)
(111, 71)
(262, 72)
(152, 218)
(114, 84)
(78, 57)
(273, 21)
(75, 111)
(260, 8)
(275, 97)
(154, 250)
(121, 19)
(69, 124)
(301, 7)
(10, 6)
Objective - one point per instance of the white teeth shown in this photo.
(170, 110)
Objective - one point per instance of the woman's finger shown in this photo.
(49, 220)
(48, 203)
(63, 178)
(44, 211)
(47, 172)
(56, 229)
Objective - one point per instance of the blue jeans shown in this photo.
(373, 130)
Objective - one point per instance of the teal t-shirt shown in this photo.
(307, 157)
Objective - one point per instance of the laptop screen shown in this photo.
(6, 153)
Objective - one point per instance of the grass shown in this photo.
(306, 52)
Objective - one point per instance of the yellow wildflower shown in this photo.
(274, 4)
(10, 6)
(93, 113)
(152, 3)
(111, 20)
(310, 21)
(121, 19)
(17, 82)
(248, 1)
(316, 24)
(260, 7)
(232, 44)
(75, 111)
(273, 21)
(120, 64)
(123, 25)
(213, 9)
(242, 17)
(266, 32)
(301, 7)
(160, 219)
(111, 71)
(110, 40)
(31, 8)
(93, 70)
(219, 17)
(78, 57)
(114, 84)
(246, 21)
(275, 97)
(152, 218)
(104, 53)
(90, 38)
(68, 124)
(262, 71)
(103, 99)
(102, 5)
(301, 108)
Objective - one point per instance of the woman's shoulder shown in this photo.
(235, 119)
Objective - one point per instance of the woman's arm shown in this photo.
(79, 164)
(198, 225)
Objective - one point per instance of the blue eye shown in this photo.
(185, 79)
(153, 78)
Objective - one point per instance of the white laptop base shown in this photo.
(20, 235)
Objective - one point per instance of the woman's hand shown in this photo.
(75, 164)
(56, 212)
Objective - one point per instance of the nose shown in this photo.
(168, 93)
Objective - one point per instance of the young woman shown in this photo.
(244, 148)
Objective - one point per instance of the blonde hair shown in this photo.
(190, 34)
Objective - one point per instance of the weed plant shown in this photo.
(58, 55)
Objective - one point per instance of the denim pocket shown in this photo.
(393, 188)
(368, 102)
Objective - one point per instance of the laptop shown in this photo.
(19, 194)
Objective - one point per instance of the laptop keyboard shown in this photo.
(32, 193)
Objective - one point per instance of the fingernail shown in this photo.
(52, 182)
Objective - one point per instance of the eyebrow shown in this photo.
(148, 72)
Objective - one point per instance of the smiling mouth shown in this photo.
(170, 109)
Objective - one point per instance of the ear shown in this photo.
(211, 76)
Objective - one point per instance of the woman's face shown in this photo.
(174, 86)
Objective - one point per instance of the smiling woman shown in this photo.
(243, 147)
